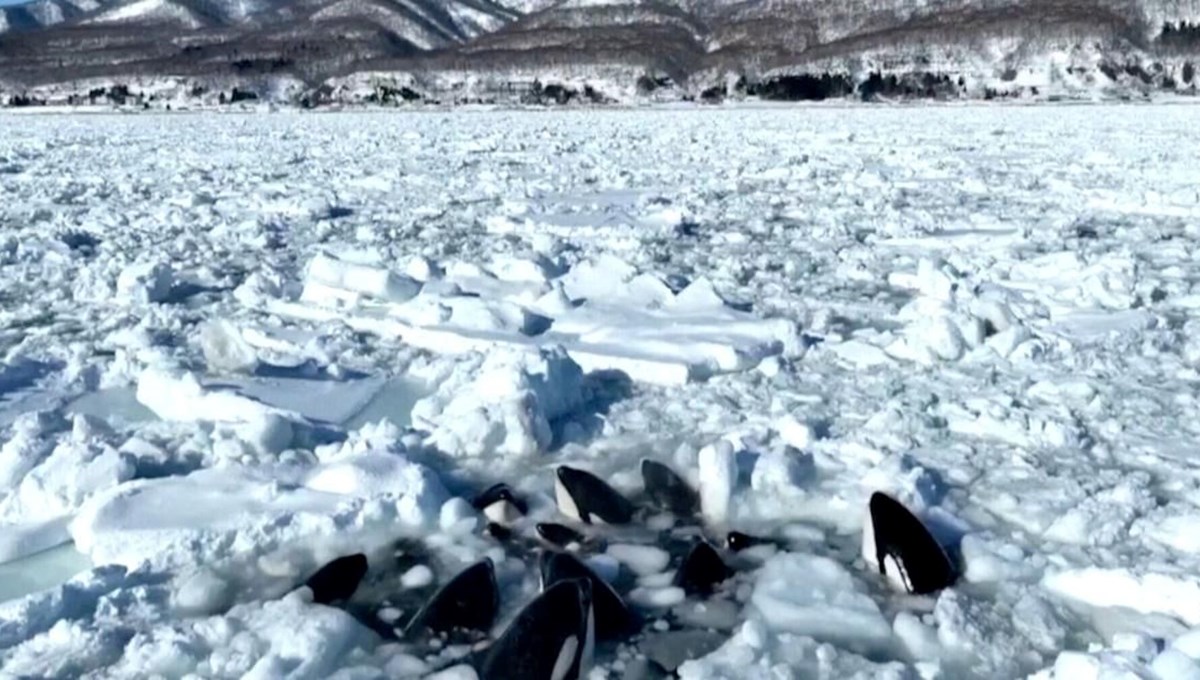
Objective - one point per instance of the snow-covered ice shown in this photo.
(816, 597)
(641, 559)
(294, 337)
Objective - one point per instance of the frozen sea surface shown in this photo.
(40, 571)
(235, 347)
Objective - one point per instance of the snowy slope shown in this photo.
(44, 13)
(451, 18)
(987, 312)
(149, 11)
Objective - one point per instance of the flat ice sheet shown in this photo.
(41, 571)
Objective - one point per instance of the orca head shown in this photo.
(498, 531)
(500, 505)
(737, 541)
(338, 579)
(468, 602)
(903, 549)
(702, 570)
(548, 639)
(613, 618)
(668, 490)
(589, 499)
(555, 567)
(563, 496)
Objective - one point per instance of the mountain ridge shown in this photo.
(314, 52)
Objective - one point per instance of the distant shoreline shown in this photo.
(682, 106)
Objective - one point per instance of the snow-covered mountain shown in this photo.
(468, 50)
(448, 19)
(46, 13)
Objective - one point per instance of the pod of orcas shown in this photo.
(554, 636)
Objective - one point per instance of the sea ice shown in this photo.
(297, 337)
(718, 475)
(641, 559)
(146, 282)
(816, 597)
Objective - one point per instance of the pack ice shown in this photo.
(297, 338)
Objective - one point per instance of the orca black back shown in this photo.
(702, 570)
(468, 602)
(338, 579)
(667, 490)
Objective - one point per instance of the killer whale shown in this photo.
(585, 497)
(614, 619)
(468, 603)
(552, 638)
(667, 490)
(500, 505)
(736, 541)
(702, 570)
(338, 579)
(903, 549)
